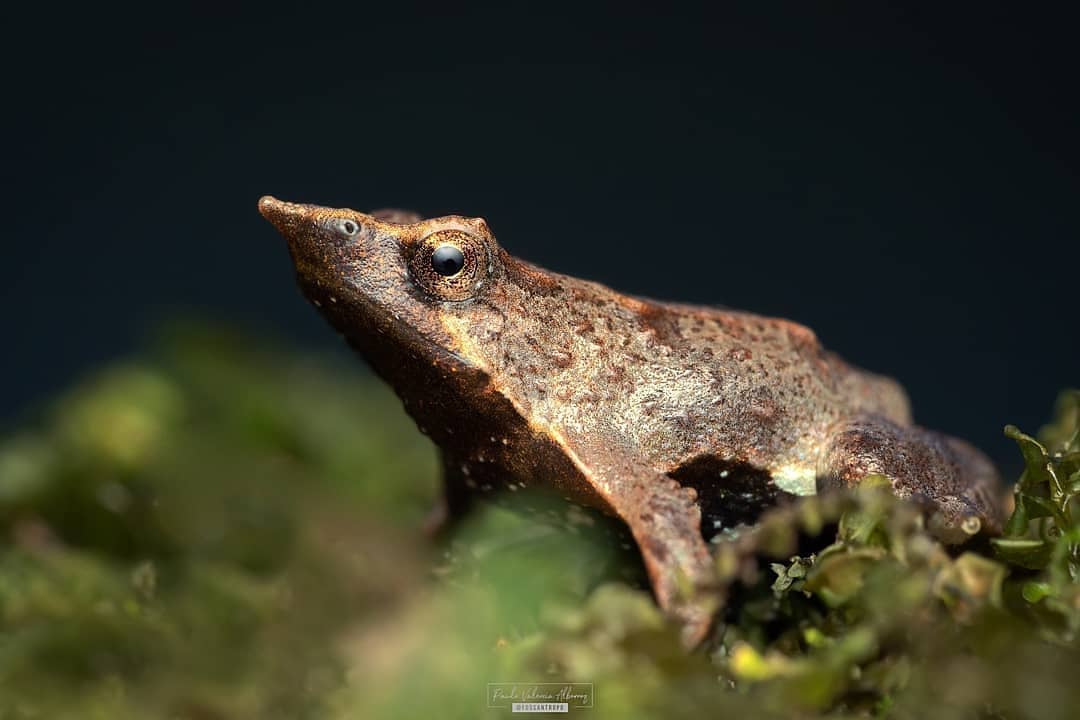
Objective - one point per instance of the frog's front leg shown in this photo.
(954, 478)
(453, 501)
(665, 520)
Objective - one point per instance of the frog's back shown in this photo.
(757, 355)
(682, 381)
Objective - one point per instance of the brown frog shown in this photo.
(677, 419)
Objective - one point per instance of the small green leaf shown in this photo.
(863, 525)
(1073, 485)
(1034, 591)
(1041, 507)
(1036, 460)
(1037, 507)
(1028, 553)
(1063, 434)
(813, 637)
(839, 576)
(798, 569)
(783, 580)
(970, 582)
(1018, 522)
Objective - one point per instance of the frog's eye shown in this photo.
(447, 260)
(450, 265)
(348, 227)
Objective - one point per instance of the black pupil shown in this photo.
(447, 260)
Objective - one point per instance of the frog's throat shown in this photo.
(466, 348)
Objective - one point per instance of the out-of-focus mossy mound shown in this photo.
(222, 530)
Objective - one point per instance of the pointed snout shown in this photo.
(319, 238)
(281, 214)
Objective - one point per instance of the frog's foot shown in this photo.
(953, 478)
(665, 520)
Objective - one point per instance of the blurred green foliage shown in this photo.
(227, 530)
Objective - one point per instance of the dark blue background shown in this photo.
(903, 182)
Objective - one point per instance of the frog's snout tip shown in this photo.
(285, 216)
(273, 209)
(267, 204)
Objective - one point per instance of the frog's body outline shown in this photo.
(649, 411)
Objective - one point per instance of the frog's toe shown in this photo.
(954, 519)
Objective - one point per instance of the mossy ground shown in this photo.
(221, 530)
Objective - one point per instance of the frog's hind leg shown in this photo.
(949, 475)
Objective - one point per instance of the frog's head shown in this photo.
(386, 280)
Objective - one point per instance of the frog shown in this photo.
(680, 421)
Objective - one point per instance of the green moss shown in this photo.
(228, 530)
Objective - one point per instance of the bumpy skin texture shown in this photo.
(657, 413)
